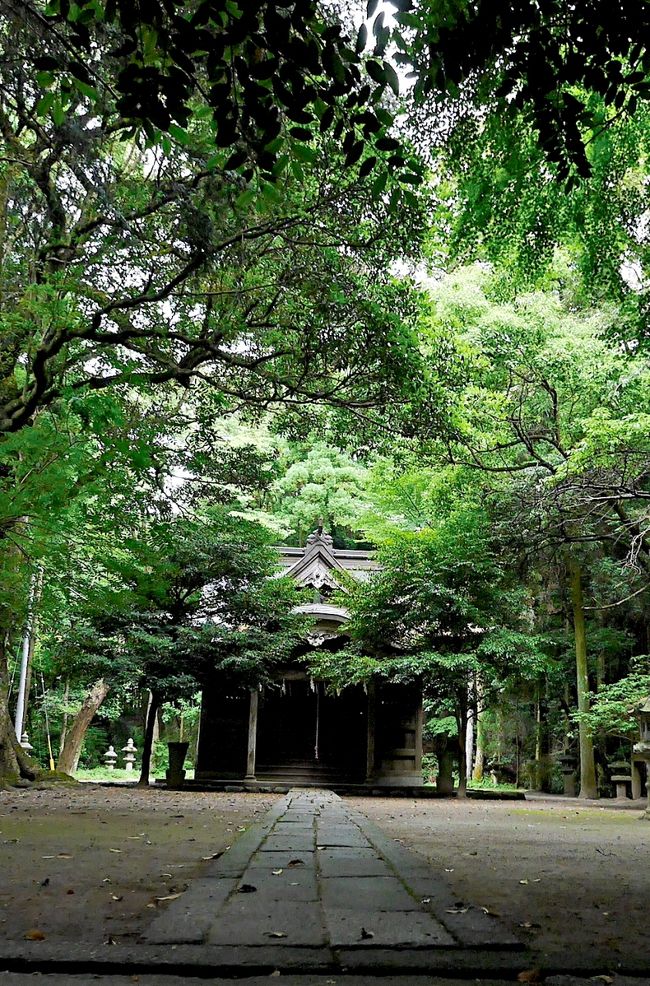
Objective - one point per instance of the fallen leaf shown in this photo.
(115, 850)
(276, 972)
(276, 934)
(296, 862)
(159, 899)
(367, 934)
(425, 900)
(64, 855)
(457, 910)
(530, 976)
(277, 872)
(603, 979)
(449, 871)
(247, 888)
(524, 882)
(48, 857)
(34, 934)
(113, 897)
(110, 941)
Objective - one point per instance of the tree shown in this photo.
(553, 64)
(267, 77)
(322, 486)
(550, 405)
(188, 599)
(444, 608)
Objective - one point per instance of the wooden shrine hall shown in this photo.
(293, 732)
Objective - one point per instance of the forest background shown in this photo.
(390, 279)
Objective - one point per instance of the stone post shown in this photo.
(252, 735)
(642, 748)
(175, 775)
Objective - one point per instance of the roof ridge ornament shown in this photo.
(320, 535)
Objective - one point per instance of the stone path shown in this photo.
(315, 886)
(316, 895)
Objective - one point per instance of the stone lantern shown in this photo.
(641, 750)
(129, 752)
(110, 758)
(568, 767)
(24, 742)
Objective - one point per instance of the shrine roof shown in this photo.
(319, 561)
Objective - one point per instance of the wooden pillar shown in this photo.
(372, 716)
(419, 729)
(252, 735)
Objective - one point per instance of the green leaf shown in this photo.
(244, 199)
(58, 113)
(304, 153)
(179, 134)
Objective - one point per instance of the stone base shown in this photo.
(376, 789)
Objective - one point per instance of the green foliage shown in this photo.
(321, 487)
(612, 708)
(266, 78)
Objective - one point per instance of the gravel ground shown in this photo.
(93, 864)
(571, 878)
(90, 863)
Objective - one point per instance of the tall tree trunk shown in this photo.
(469, 736)
(152, 713)
(462, 744)
(479, 759)
(588, 785)
(69, 758)
(14, 762)
(29, 642)
(64, 726)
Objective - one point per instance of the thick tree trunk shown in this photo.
(588, 786)
(14, 762)
(69, 758)
(152, 713)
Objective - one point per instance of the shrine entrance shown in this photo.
(309, 735)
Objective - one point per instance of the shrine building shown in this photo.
(295, 732)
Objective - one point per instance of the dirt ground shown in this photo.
(91, 864)
(572, 879)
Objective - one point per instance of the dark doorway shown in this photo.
(303, 731)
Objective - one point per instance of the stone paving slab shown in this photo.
(300, 842)
(395, 929)
(374, 892)
(245, 921)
